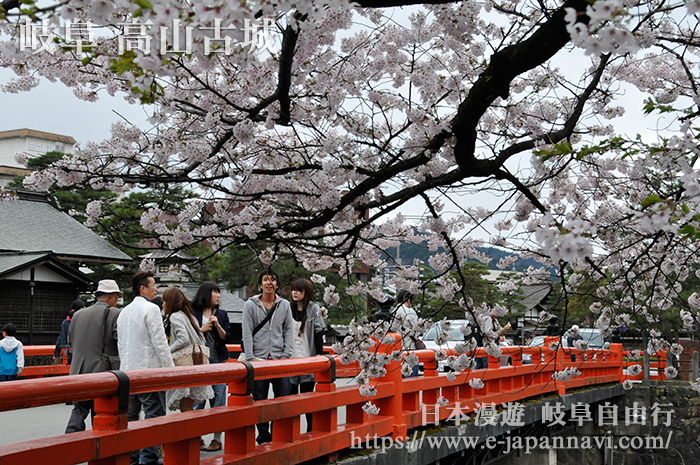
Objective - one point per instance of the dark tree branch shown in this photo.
(495, 82)
(8, 5)
(569, 125)
(284, 82)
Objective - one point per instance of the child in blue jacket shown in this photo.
(11, 354)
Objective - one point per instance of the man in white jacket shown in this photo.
(142, 344)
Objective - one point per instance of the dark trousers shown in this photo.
(481, 362)
(302, 388)
(153, 407)
(8, 377)
(80, 411)
(261, 388)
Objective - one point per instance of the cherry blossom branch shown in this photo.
(495, 82)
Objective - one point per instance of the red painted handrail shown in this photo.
(399, 400)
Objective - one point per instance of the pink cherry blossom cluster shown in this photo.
(315, 149)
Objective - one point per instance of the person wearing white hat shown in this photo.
(93, 336)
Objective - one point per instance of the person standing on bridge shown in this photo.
(184, 333)
(62, 346)
(216, 329)
(308, 335)
(268, 334)
(93, 336)
(573, 335)
(142, 344)
(408, 319)
(491, 330)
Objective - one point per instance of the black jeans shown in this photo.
(261, 388)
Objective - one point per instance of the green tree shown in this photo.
(476, 287)
(73, 199)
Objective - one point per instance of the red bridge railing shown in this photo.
(399, 400)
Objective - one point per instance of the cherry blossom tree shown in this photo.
(313, 133)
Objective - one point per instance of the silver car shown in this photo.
(454, 336)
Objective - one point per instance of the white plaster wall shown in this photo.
(32, 146)
(41, 274)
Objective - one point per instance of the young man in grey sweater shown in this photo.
(270, 317)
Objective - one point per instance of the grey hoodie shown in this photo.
(276, 338)
(9, 343)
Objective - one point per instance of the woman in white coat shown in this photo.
(182, 330)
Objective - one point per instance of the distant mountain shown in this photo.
(410, 252)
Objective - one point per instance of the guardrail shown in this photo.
(40, 371)
(399, 401)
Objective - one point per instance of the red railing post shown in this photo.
(617, 357)
(110, 415)
(240, 440)
(327, 420)
(556, 357)
(182, 452)
(430, 370)
(393, 405)
(110, 412)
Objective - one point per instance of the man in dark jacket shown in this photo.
(92, 333)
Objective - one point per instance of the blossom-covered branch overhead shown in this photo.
(311, 126)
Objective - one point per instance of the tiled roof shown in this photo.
(31, 224)
(534, 294)
(167, 254)
(9, 263)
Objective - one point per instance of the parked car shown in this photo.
(590, 335)
(537, 341)
(455, 336)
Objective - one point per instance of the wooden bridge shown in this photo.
(404, 404)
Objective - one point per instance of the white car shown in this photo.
(455, 336)
(537, 341)
(590, 335)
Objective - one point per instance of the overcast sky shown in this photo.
(52, 107)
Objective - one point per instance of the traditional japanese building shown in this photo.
(41, 252)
